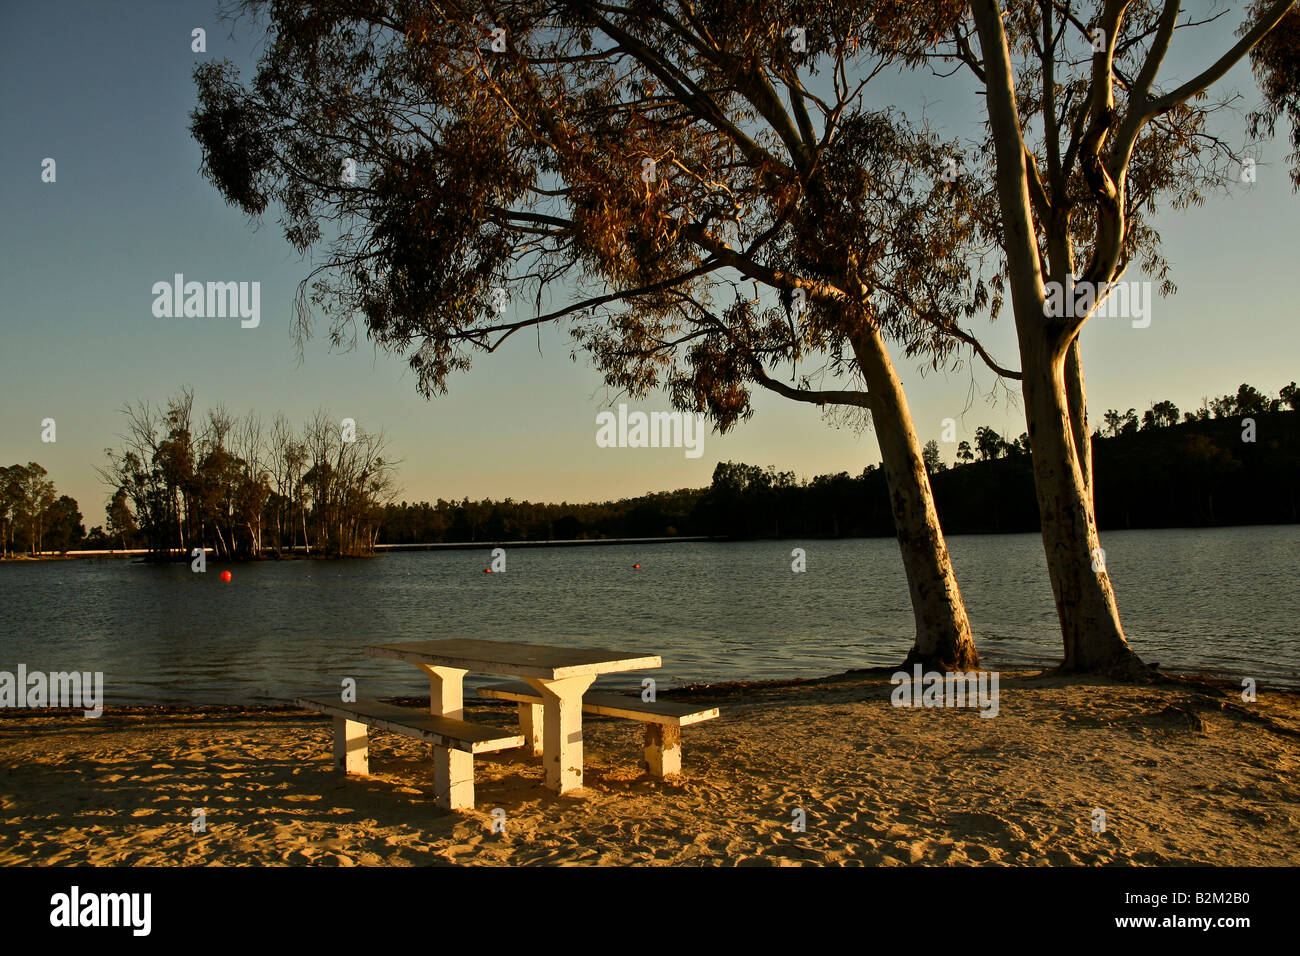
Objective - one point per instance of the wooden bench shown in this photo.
(454, 742)
(664, 720)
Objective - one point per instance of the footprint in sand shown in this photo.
(975, 853)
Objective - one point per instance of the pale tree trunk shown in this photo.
(1085, 601)
(1078, 405)
(943, 634)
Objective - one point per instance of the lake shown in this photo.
(1220, 599)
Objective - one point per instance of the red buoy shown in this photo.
(487, 570)
(636, 567)
(225, 576)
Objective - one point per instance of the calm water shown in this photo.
(1221, 599)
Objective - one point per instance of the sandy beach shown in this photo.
(1186, 774)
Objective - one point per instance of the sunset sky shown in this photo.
(106, 88)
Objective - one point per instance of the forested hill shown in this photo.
(1195, 474)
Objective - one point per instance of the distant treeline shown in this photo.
(1151, 471)
(1195, 474)
(226, 483)
(663, 514)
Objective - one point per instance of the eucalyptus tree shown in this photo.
(121, 522)
(210, 483)
(1085, 142)
(9, 503)
(699, 192)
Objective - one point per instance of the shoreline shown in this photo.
(1207, 682)
(271, 556)
(178, 557)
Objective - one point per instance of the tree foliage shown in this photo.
(227, 483)
(33, 515)
(620, 168)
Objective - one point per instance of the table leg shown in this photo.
(446, 691)
(531, 723)
(562, 729)
(453, 770)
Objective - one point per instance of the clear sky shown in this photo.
(105, 89)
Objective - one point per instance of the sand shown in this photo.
(1186, 774)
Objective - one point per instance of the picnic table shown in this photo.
(558, 675)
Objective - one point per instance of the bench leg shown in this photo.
(350, 747)
(562, 729)
(453, 778)
(663, 749)
(531, 723)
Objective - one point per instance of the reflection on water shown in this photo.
(1219, 599)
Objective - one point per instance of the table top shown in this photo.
(516, 660)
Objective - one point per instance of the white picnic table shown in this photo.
(561, 675)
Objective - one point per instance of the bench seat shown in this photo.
(454, 742)
(664, 719)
